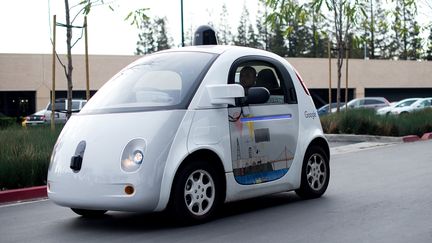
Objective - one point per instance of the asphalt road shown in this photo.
(375, 195)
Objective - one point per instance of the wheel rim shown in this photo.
(199, 192)
(316, 172)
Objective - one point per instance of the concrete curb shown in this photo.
(362, 138)
(29, 193)
(371, 138)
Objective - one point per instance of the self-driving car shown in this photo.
(180, 130)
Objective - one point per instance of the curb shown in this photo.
(362, 138)
(427, 136)
(371, 138)
(17, 195)
(410, 138)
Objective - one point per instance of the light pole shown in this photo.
(181, 15)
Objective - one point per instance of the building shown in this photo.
(25, 79)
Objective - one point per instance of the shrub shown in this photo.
(25, 155)
(6, 122)
(363, 121)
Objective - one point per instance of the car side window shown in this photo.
(373, 102)
(424, 104)
(261, 74)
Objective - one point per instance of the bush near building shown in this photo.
(25, 155)
(363, 121)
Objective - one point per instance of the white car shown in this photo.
(44, 116)
(174, 130)
(420, 104)
(403, 103)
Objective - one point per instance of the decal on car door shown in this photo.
(261, 151)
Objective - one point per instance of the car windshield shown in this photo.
(164, 80)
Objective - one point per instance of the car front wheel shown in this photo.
(315, 174)
(196, 193)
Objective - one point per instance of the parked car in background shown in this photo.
(403, 103)
(36, 118)
(420, 104)
(324, 110)
(367, 103)
(44, 116)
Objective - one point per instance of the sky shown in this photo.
(26, 24)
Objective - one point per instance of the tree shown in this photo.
(299, 25)
(429, 47)
(83, 8)
(404, 14)
(277, 42)
(374, 29)
(241, 38)
(415, 46)
(252, 38)
(224, 33)
(146, 41)
(263, 34)
(317, 26)
(344, 13)
(162, 39)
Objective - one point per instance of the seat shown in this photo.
(267, 79)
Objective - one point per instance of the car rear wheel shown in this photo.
(196, 193)
(315, 174)
(89, 213)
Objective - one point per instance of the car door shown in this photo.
(263, 136)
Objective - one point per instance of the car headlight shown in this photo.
(133, 155)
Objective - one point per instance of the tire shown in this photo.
(89, 213)
(315, 174)
(196, 193)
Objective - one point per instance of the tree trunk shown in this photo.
(69, 57)
(372, 30)
(340, 47)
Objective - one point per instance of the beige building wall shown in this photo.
(365, 73)
(32, 72)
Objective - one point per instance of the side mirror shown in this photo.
(223, 94)
(257, 95)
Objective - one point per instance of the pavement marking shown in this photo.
(358, 147)
(23, 202)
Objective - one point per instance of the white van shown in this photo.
(174, 130)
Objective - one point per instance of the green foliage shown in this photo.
(25, 155)
(146, 42)
(277, 43)
(153, 35)
(224, 33)
(137, 17)
(162, 39)
(6, 122)
(429, 46)
(363, 121)
(405, 37)
(242, 32)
